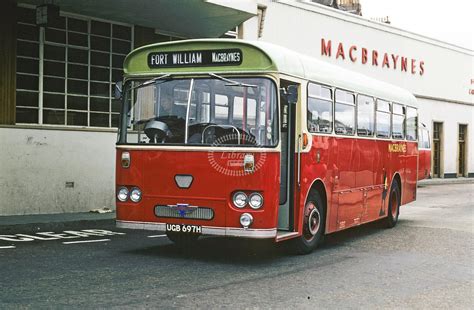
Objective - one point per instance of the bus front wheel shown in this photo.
(314, 219)
(393, 205)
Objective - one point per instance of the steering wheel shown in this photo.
(157, 131)
(209, 135)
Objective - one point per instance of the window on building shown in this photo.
(383, 119)
(27, 63)
(398, 121)
(80, 61)
(319, 108)
(412, 124)
(365, 116)
(462, 171)
(344, 120)
(437, 148)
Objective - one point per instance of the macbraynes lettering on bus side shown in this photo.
(209, 146)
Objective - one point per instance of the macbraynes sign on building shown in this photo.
(178, 59)
(372, 57)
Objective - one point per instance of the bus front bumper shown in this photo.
(206, 230)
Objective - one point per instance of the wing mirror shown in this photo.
(118, 90)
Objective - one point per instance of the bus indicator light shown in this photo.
(305, 140)
(249, 163)
(125, 160)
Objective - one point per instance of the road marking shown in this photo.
(156, 236)
(86, 241)
(8, 247)
(68, 234)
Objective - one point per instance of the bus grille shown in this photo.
(196, 213)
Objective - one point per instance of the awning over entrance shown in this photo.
(187, 18)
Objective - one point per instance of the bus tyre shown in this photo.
(393, 205)
(182, 240)
(314, 219)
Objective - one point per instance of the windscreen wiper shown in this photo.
(164, 78)
(232, 82)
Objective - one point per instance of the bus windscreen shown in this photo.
(206, 111)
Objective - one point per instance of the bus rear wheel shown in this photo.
(314, 219)
(182, 240)
(393, 206)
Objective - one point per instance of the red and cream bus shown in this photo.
(248, 139)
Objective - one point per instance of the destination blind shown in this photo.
(195, 58)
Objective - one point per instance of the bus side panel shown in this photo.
(369, 179)
(424, 164)
(410, 177)
(403, 160)
(346, 160)
(378, 163)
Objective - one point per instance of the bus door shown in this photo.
(287, 159)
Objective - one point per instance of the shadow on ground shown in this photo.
(246, 251)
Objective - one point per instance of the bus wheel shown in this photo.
(393, 206)
(182, 240)
(314, 219)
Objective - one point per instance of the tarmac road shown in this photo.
(427, 261)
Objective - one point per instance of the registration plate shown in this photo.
(184, 228)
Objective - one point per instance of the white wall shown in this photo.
(300, 27)
(451, 115)
(35, 165)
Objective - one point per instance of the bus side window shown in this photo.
(398, 121)
(383, 119)
(411, 124)
(365, 116)
(319, 114)
(344, 121)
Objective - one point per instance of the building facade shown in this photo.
(58, 116)
(439, 74)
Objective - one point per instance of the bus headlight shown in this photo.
(255, 201)
(135, 194)
(122, 194)
(239, 199)
(246, 220)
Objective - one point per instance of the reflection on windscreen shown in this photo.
(203, 112)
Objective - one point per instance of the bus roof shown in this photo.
(266, 57)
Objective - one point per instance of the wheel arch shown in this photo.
(397, 178)
(320, 187)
